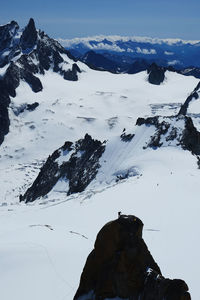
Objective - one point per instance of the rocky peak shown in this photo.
(29, 36)
(33, 48)
(26, 56)
(120, 266)
(6, 34)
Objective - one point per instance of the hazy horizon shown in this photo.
(68, 19)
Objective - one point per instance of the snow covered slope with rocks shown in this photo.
(74, 167)
(23, 55)
(150, 169)
(100, 104)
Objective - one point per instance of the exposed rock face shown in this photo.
(29, 107)
(156, 74)
(11, 79)
(192, 96)
(29, 36)
(121, 267)
(126, 137)
(7, 88)
(76, 164)
(175, 130)
(72, 74)
(26, 56)
(7, 47)
(4, 118)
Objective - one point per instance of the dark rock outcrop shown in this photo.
(126, 137)
(29, 36)
(156, 74)
(7, 47)
(25, 107)
(32, 80)
(11, 79)
(8, 84)
(166, 131)
(121, 267)
(191, 137)
(4, 118)
(72, 74)
(193, 96)
(6, 34)
(77, 164)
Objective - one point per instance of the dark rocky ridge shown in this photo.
(79, 169)
(192, 96)
(7, 32)
(26, 56)
(188, 136)
(121, 266)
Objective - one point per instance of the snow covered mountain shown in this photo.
(23, 55)
(77, 146)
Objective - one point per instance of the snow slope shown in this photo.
(44, 245)
(100, 103)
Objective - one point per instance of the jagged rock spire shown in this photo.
(29, 35)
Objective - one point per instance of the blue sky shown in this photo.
(78, 18)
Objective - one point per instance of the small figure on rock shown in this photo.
(119, 214)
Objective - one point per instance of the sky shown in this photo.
(82, 18)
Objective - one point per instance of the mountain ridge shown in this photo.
(24, 55)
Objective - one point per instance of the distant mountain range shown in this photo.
(125, 51)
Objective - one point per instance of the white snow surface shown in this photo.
(40, 263)
(44, 245)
